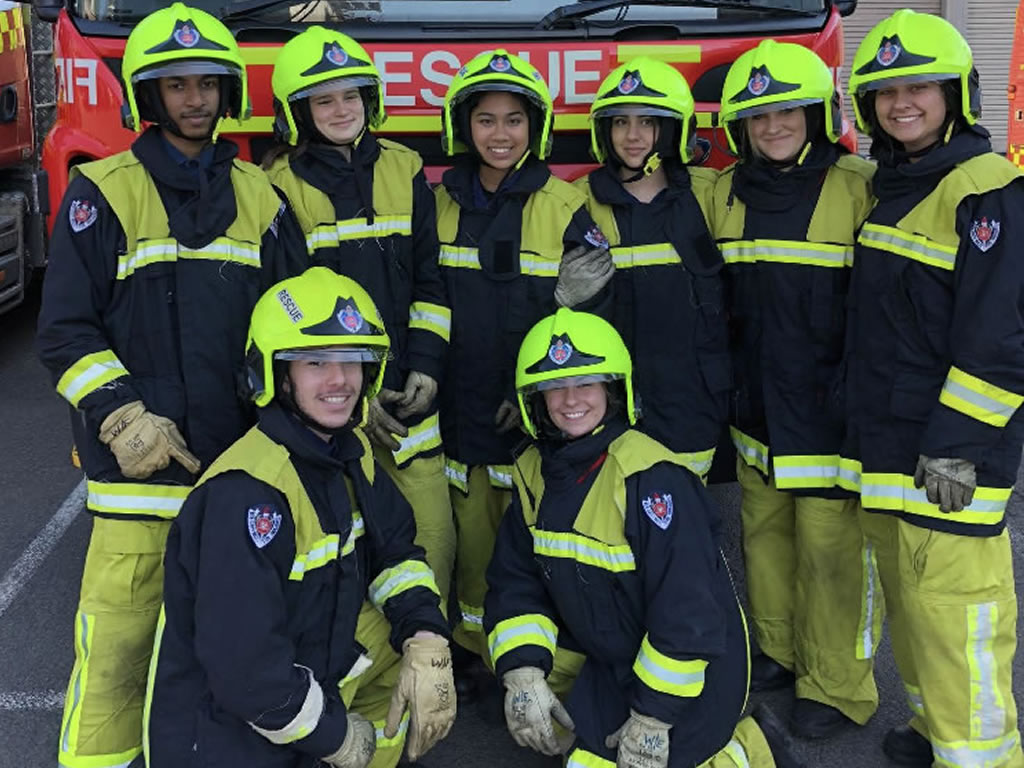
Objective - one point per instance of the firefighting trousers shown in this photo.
(478, 512)
(121, 595)
(952, 613)
(423, 484)
(816, 603)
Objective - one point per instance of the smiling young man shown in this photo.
(158, 255)
(935, 385)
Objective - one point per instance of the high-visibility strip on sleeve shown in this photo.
(304, 722)
(400, 578)
(978, 399)
(88, 374)
(698, 462)
(753, 452)
(528, 629)
(668, 675)
(435, 318)
(916, 247)
(423, 437)
(145, 499)
(500, 475)
(457, 474)
(383, 742)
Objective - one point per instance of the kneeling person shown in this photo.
(273, 555)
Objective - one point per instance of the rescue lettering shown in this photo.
(289, 305)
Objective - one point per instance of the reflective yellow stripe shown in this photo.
(668, 675)
(786, 252)
(753, 452)
(462, 258)
(500, 475)
(472, 617)
(988, 710)
(400, 578)
(572, 546)
(332, 235)
(869, 625)
(914, 699)
(425, 436)
(136, 498)
(528, 629)
(149, 252)
(645, 255)
(383, 742)
(457, 474)
(84, 630)
(89, 373)
(916, 247)
(322, 552)
(737, 754)
(809, 471)
(982, 752)
(304, 722)
(581, 758)
(358, 528)
(978, 399)
(698, 462)
(435, 318)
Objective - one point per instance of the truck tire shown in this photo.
(12, 250)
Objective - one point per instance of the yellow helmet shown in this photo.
(177, 41)
(316, 315)
(912, 47)
(496, 71)
(644, 86)
(775, 76)
(319, 60)
(571, 347)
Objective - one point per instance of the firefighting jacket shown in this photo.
(936, 363)
(499, 259)
(787, 276)
(373, 219)
(669, 306)
(267, 567)
(130, 313)
(610, 548)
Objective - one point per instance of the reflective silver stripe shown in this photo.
(499, 475)
(645, 255)
(304, 722)
(150, 252)
(393, 581)
(753, 452)
(537, 267)
(457, 474)
(76, 688)
(324, 550)
(914, 699)
(965, 754)
(786, 252)
(89, 373)
(867, 640)
(423, 437)
(136, 498)
(987, 714)
(327, 235)
(583, 550)
(916, 247)
(668, 675)
(453, 256)
(737, 754)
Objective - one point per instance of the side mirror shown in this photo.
(47, 10)
(846, 7)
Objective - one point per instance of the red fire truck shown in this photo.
(1015, 92)
(418, 46)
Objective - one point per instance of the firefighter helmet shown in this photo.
(321, 60)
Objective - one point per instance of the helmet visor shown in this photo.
(571, 381)
(891, 82)
(487, 86)
(333, 355)
(775, 106)
(641, 110)
(186, 67)
(334, 86)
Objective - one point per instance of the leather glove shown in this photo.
(420, 391)
(143, 442)
(582, 273)
(950, 483)
(642, 742)
(381, 426)
(425, 685)
(507, 417)
(357, 749)
(529, 707)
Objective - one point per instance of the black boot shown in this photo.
(905, 746)
(813, 720)
(779, 742)
(766, 674)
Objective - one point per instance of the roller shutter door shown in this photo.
(990, 33)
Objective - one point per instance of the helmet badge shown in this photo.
(350, 318)
(560, 352)
(336, 55)
(186, 35)
(500, 63)
(888, 52)
(630, 82)
(758, 82)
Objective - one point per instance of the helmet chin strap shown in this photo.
(651, 164)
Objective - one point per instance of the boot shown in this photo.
(779, 742)
(766, 674)
(813, 720)
(905, 746)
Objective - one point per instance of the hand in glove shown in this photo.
(529, 707)
(950, 483)
(143, 442)
(425, 685)
(642, 742)
(508, 417)
(419, 393)
(381, 426)
(357, 749)
(582, 273)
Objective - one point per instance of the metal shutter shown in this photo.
(990, 34)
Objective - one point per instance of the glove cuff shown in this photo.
(648, 720)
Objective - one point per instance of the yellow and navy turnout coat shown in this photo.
(610, 548)
(267, 568)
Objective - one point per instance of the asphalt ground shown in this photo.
(43, 536)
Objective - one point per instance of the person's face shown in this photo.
(339, 115)
(191, 102)
(577, 410)
(500, 129)
(778, 135)
(912, 113)
(326, 392)
(633, 138)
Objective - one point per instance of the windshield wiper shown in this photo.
(583, 8)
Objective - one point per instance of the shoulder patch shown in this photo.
(264, 523)
(984, 233)
(658, 507)
(81, 214)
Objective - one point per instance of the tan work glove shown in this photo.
(426, 687)
(357, 749)
(950, 483)
(381, 427)
(420, 391)
(530, 706)
(143, 442)
(507, 417)
(582, 273)
(642, 742)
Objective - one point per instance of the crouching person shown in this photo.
(258, 662)
(607, 578)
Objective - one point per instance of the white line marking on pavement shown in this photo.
(41, 546)
(28, 701)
